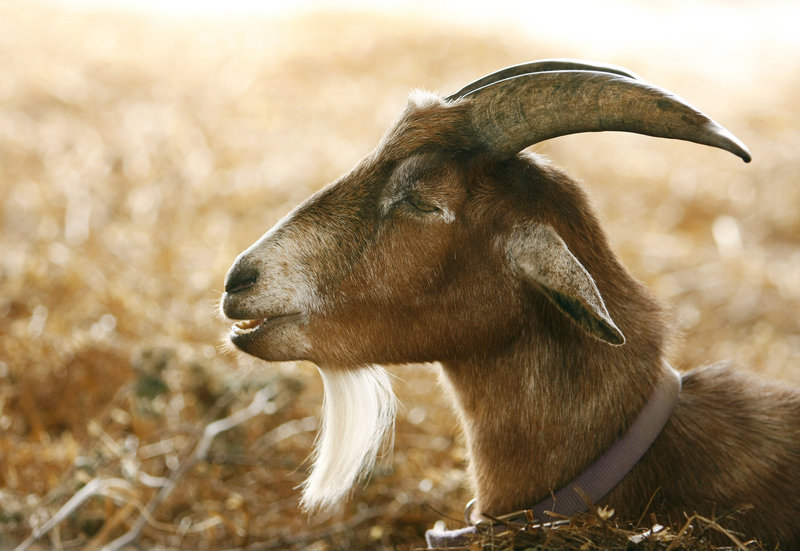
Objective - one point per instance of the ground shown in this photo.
(139, 155)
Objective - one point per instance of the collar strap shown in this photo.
(601, 476)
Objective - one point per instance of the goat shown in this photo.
(450, 244)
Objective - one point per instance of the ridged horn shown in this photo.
(511, 114)
(542, 65)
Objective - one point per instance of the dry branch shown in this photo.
(211, 431)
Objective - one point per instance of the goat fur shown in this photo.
(428, 251)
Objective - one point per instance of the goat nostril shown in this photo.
(240, 280)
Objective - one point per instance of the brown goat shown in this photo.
(449, 244)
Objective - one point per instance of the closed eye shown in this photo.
(422, 206)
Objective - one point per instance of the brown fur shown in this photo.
(539, 399)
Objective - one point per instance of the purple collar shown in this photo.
(600, 477)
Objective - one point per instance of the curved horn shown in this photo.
(512, 114)
(555, 64)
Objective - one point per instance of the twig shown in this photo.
(211, 431)
(96, 486)
(111, 524)
(715, 526)
(647, 508)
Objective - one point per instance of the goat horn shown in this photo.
(512, 114)
(555, 64)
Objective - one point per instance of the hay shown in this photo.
(138, 156)
(600, 530)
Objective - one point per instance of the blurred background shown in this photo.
(144, 144)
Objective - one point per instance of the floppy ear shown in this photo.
(542, 258)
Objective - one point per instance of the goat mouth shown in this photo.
(245, 328)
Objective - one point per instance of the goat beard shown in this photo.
(358, 413)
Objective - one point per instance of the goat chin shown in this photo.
(358, 415)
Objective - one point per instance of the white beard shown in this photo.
(358, 414)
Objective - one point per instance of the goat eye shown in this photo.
(420, 205)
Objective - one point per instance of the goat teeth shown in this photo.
(246, 326)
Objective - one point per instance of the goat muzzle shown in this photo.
(240, 278)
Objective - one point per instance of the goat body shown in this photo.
(446, 244)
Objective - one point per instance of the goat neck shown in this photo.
(539, 412)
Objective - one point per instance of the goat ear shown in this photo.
(542, 258)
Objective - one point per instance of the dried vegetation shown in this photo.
(599, 529)
(138, 156)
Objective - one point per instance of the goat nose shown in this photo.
(240, 278)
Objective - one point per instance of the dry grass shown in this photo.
(139, 156)
(600, 530)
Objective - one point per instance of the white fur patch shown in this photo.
(448, 215)
(357, 415)
(422, 98)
